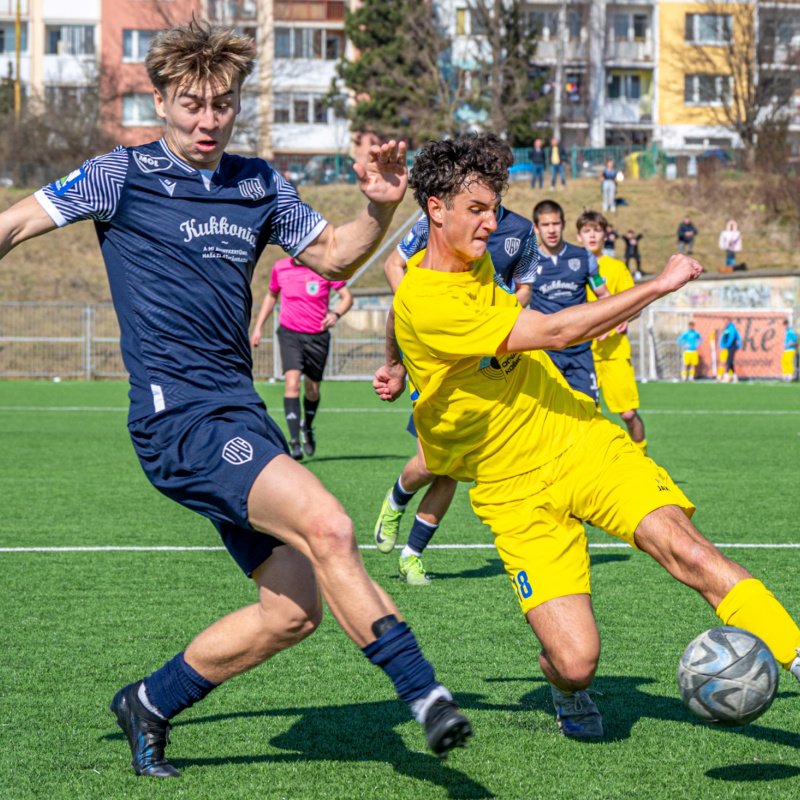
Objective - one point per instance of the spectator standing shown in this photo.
(730, 240)
(632, 252)
(537, 163)
(609, 186)
(609, 247)
(558, 155)
(686, 235)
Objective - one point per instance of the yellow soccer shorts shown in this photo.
(618, 384)
(691, 358)
(787, 362)
(536, 517)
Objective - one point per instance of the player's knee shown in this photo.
(331, 534)
(301, 622)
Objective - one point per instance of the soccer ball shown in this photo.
(727, 676)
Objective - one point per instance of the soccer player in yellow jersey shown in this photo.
(612, 354)
(493, 409)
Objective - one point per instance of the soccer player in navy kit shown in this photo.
(565, 270)
(181, 226)
(515, 258)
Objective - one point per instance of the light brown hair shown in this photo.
(199, 53)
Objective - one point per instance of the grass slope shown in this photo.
(318, 722)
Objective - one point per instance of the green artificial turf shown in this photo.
(319, 721)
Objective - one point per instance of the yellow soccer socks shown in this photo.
(750, 605)
(642, 446)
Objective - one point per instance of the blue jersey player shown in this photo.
(565, 271)
(181, 225)
(515, 258)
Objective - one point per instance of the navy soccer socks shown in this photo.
(174, 687)
(420, 535)
(400, 497)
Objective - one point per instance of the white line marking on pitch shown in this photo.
(132, 548)
(407, 410)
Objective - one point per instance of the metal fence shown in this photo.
(73, 340)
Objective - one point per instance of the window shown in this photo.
(624, 85)
(308, 43)
(621, 27)
(543, 24)
(574, 23)
(640, 27)
(69, 40)
(280, 107)
(707, 90)
(8, 39)
(478, 20)
(709, 28)
(461, 22)
(138, 109)
(299, 108)
(135, 44)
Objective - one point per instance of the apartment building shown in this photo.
(59, 46)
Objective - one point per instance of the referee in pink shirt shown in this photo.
(304, 325)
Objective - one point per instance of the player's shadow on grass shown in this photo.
(356, 732)
(622, 704)
(748, 773)
(495, 567)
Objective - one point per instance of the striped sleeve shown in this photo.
(415, 240)
(295, 224)
(89, 192)
(528, 263)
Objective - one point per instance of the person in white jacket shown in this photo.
(730, 240)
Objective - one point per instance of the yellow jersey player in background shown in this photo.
(492, 408)
(612, 353)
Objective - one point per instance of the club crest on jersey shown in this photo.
(252, 189)
(574, 264)
(63, 185)
(312, 288)
(502, 284)
(148, 163)
(238, 451)
(512, 245)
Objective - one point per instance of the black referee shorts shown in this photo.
(307, 352)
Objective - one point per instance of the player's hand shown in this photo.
(679, 271)
(603, 336)
(385, 176)
(390, 382)
(622, 327)
(255, 338)
(330, 320)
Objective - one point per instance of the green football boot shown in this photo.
(412, 571)
(387, 526)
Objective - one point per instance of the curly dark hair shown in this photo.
(444, 169)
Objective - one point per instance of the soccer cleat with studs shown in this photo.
(577, 715)
(388, 525)
(795, 665)
(295, 451)
(412, 571)
(147, 734)
(309, 440)
(446, 727)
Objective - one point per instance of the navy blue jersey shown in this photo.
(560, 283)
(180, 247)
(512, 246)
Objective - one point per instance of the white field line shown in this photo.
(124, 548)
(407, 410)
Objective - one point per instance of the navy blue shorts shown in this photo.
(206, 457)
(578, 371)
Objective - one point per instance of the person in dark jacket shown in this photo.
(686, 235)
(537, 162)
(631, 240)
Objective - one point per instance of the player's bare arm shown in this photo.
(390, 379)
(523, 293)
(338, 252)
(536, 331)
(24, 220)
(270, 298)
(332, 317)
(394, 269)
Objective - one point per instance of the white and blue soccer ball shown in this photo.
(727, 676)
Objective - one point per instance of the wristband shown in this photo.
(336, 314)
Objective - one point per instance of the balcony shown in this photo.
(621, 111)
(546, 50)
(309, 10)
(8, 8)
(779, 55)
(621, 50)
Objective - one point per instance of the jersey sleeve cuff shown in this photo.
(308, 238)
(52, 212)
